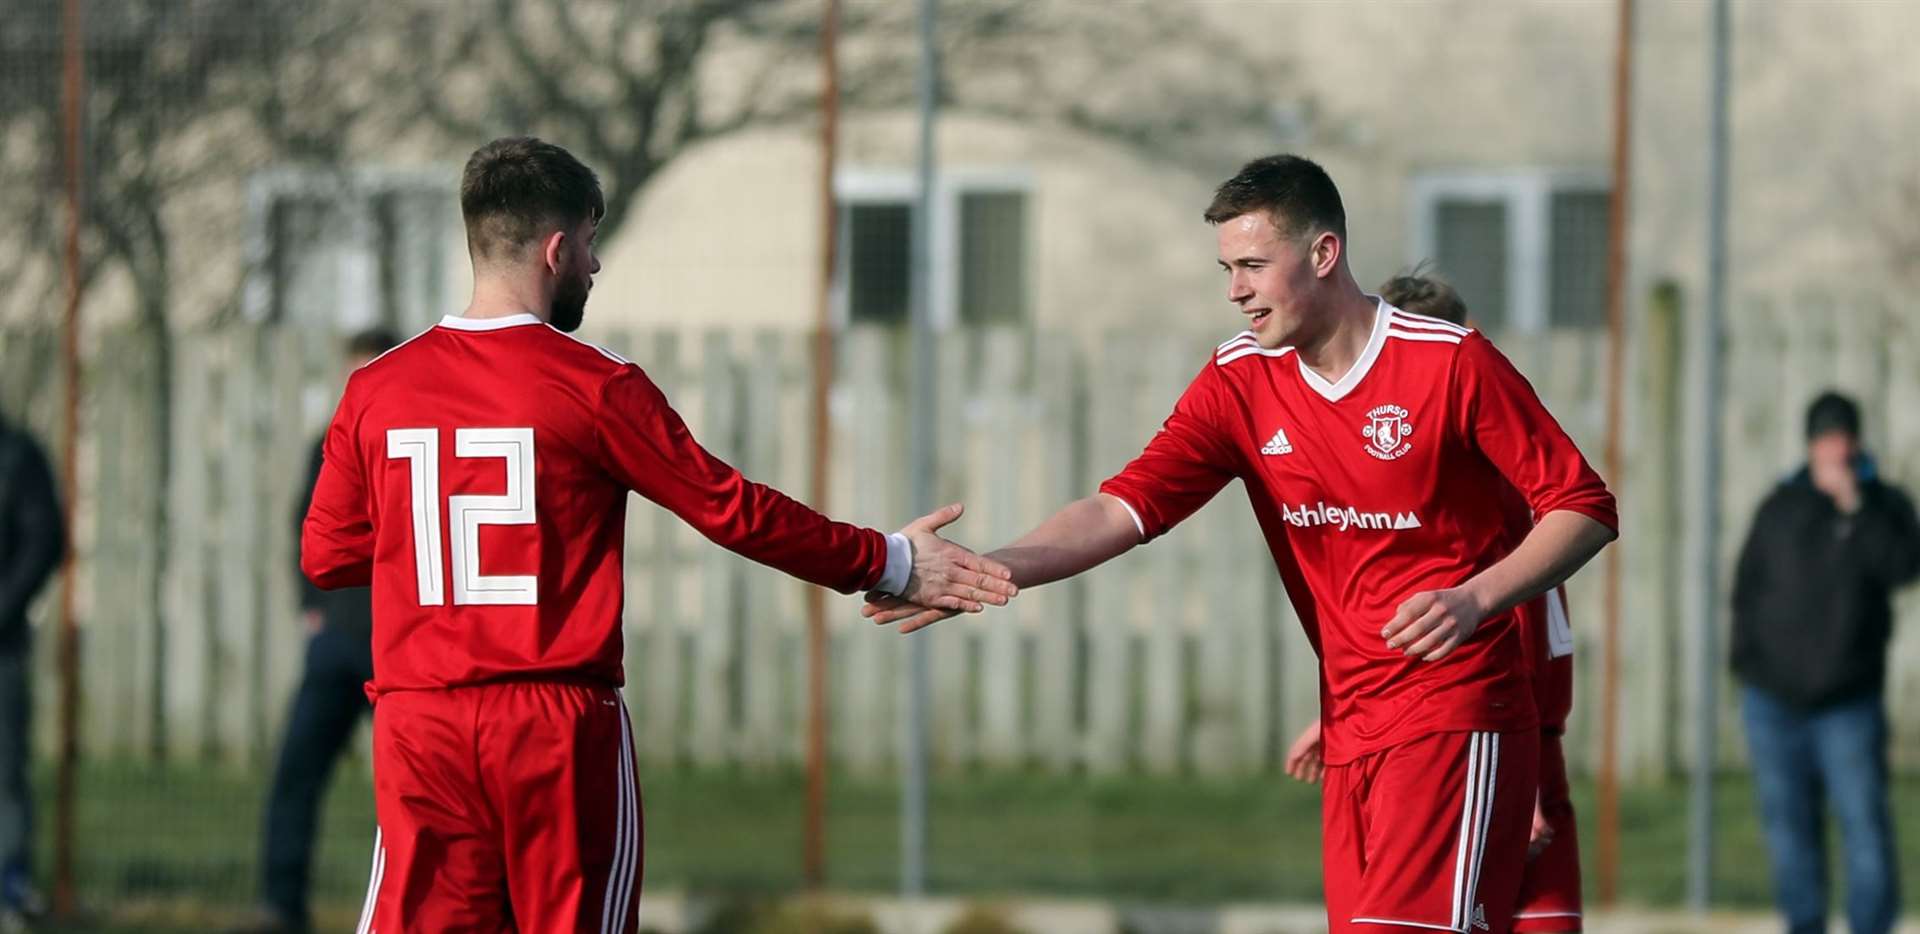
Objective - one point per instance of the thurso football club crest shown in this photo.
(1387, 432)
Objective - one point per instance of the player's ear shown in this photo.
(1325, 253)
(552, 249)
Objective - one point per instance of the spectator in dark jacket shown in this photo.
(32, 543)
(328, 705)
(1811, 618)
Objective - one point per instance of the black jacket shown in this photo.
(32, 535)
(1811, 597)
(348, 607)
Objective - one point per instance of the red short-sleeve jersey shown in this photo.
(1369, 490)
(1546, 634)
(477, 477)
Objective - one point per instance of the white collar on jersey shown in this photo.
(459, 323)
(1334, 392)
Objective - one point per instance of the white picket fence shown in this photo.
(1183, 656)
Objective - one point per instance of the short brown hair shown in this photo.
(1296, 192)
(371, 342)
(517, 188)
(1424, 294)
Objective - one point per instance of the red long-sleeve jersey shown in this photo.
(477, 476)
(1370, 490)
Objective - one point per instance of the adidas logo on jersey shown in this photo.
(1480, 918)
(1278, 444)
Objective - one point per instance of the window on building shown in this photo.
(1526, 249)
(351, 251)
(993, 254)
(877, 240)
(980, 253)
(1470, 251)
(1577, 264)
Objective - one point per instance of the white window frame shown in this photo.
(1527, 194)
(352, 190)
(859, 184)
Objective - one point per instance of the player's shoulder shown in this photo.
(1423, 331)
(1428, 347)
(585, 353)
(390, 363)
(1245, 350)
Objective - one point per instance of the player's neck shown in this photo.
(1338, 346)
(499, 297)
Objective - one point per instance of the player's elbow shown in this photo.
(333, 568)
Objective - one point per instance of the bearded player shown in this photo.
(477, 476)
(1372, 444)
(1550, 890)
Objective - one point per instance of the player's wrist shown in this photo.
(899, 569)
(1480, 601)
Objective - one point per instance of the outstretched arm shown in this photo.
(648, 447)
(1183, 466)
(1083, 535)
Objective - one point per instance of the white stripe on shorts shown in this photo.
(373, 884)
(626, 847)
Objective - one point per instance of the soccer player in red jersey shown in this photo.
(1373, 445)
(476, 477)
(1550, 887)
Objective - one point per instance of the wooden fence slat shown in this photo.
(767, 597)
(666, 724)
(867, 442)
(1117, 433)
(1055, 440)
(1003, 374)
(109, 637)
(715, 700)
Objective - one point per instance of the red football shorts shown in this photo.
(504, 807)
(1550, 893)
(1430, 834)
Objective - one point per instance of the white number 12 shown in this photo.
(421, 447)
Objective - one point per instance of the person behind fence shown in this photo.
(329, 703)
(32, 542)
(1811, 620)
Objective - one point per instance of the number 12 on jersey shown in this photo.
(420, 447)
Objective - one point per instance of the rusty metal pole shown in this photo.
(72, 84)
(814, 840)
(1609, 791)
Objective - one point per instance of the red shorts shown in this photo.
(1550, 894)
(1430, 834)
(504, 807)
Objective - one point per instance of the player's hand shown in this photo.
(946, 576)
(1542, 835)
(886, 608)
(1432, 624)
(1304, 761)
(312, 621)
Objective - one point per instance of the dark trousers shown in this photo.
(1805, 761)
(330, 701)
(16, 802)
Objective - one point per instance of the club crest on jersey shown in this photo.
(1386, 432)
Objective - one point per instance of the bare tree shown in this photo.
(631, 85)
(182, 98)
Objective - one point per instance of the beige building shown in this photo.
(1472, 134)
